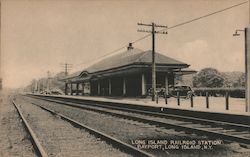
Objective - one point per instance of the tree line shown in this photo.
(212, 78)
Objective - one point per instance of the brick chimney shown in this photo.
(130, 46)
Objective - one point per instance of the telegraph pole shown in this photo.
(48, 83)
(153, 63)
(246, 34)
(1, 81)
(67, 66)
(153, 32)
(247, 60)
(66, 73)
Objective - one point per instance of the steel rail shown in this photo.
(165, 115)
(211, 133)
(37, 145)
(111, 140)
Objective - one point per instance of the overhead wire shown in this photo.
(107, 54)
(174, 26)
(204, 16)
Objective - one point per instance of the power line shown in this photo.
(171, 27)
(107, 54)
(144, 37)
(204, 16)
(195, 19)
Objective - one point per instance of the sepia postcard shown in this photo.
(117, 78)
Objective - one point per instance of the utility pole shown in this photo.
(247, 60)
(67, 67)
(1, 81)
(153, 32)
(246, 33)
(48, 82)
(38, 86)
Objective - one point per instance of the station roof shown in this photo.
(133, 56)
(130, 57)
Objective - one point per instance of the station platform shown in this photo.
(216, 110)
(216, 104)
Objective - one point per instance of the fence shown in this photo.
(209, 95)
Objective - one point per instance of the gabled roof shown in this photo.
(130, 57)
(159, 59)
(134, 56)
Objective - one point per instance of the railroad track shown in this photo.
(216, 129)
(108, 139)
(36, 143)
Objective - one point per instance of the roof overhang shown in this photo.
(129, 69)
(185, 71)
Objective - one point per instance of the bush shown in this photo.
(233, 92)
(208, 78)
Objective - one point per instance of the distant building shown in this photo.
(126, 74)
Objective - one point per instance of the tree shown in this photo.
(208, 77)
(242, 80)
(233, 79)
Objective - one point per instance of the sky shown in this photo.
(38, 36)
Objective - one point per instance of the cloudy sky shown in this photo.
(38, 35)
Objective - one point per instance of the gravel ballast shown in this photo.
(14, 140)
(128, 130)
(60, 138)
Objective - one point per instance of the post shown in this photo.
(66, 89)
(207, 100)
(166, 84)
(248, 63)
(143, 89)
(66, 69)
(247, 67)
(157, 97)
(153, 31)
(166, 89)
(89, 85)
(82, 89)
(71, 89)
(178, 98)
(38, 86)
(110, 86)
(48, 82)
(192, 101)
(227, 101)
(98, 88)
(77, 88)
(153, 63)
(124, 86)
(166, 98)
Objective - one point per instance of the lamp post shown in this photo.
(247, 83)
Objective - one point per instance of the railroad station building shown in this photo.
(125, 74)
